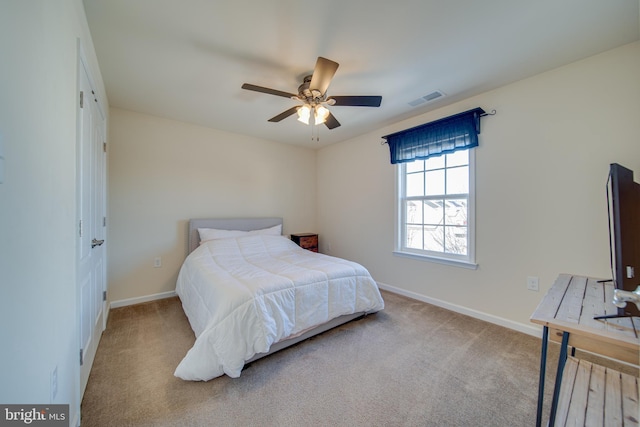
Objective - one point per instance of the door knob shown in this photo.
(96, 242)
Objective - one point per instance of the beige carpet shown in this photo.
(412, 364)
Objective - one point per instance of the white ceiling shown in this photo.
(187, 59)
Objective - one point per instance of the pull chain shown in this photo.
(317, 133)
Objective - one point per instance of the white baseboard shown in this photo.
(138, 300)
(517, 326)
(527, 329)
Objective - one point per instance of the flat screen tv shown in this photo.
(623, 195)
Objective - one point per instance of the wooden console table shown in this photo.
(567, 314)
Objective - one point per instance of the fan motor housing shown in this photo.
(306, 94)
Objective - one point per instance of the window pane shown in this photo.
(414, 237)
(434, 163)
(415, 166)
(456, 240)
(414, 212)
(435, 182)
(433, 212)
(458, 180)
(458, 158)
(456, 212)
(434, 239)
(415, 184)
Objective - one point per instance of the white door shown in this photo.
(91, 250)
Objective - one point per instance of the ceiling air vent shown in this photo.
(433, 95)
(427, 98)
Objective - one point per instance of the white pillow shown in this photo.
(214, 233)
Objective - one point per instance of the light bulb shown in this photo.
(304, 113)
(321, 114)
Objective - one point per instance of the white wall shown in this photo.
(38, 95)
(163, 172)
(542, 166)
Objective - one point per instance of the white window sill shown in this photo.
(446, 261)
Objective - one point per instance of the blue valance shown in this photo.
(453, 133)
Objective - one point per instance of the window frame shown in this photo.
(465, 261)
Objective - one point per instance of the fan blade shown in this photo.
(284, 115)
(322, 74)
(267, 90)
(357, 101)
(331, 122)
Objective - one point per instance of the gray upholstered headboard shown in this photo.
(242, 224)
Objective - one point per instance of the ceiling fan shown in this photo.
(313, 95)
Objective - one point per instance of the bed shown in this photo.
(248, 292)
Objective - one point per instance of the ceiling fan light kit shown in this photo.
(313, 95)
(320, 114)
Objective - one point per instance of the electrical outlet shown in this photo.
(157, 262)
(54, 383)
(532, 283)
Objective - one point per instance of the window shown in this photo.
(436, 208)
(435, 195)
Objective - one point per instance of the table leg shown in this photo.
(543, 366)
(556, 389)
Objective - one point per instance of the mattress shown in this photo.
(243, 294)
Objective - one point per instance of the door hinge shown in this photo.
(104, 295)
(104, 147)
(81, 99)
(80, 228)
(81, 358)
(104, 221)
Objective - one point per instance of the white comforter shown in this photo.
(243, 294)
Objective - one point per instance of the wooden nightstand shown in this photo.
(307, 241)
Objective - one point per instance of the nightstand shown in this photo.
(307, 241)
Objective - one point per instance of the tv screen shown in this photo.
(623, 195)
